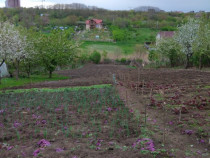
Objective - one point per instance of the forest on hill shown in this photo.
(40, 18)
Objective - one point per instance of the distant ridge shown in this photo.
(74, 6)
(146, 9)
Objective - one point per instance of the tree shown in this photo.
(12, 45)
(186, 36)
(201, 45)
(118, 35)
(30, 58)
(55, 50)
(169, 48)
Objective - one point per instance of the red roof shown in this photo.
(97, 21)
(166, 34)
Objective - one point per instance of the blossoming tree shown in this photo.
(12, 45)
(186, 37)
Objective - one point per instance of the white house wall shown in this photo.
(3, 69)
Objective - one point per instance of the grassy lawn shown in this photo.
(12, 82)
(139, 36)
(110, 47)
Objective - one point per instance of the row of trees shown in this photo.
(28, 17)
(190, 45)
(28, 48)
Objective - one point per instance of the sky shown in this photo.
(167, 5)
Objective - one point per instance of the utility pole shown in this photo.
(43, 3)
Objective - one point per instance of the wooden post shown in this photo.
(164, 126)
(126, 102)
(180, 113)
(142, 92)
(138, 79)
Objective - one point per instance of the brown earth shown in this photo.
(166, 93)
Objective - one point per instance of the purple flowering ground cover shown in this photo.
(79, 123)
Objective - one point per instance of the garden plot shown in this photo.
(176, 105)
(166, 92)
(92, 122)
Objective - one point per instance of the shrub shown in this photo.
(83, 58)
(104, 54)
(107, 61)
(139, 61)
(117, 60)
(95, 57)
(123, 60)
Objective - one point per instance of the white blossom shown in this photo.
(186, 36)
(12, 44)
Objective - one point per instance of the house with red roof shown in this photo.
(94, 23)
(164, 34)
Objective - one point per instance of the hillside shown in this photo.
(74, 6)
(146, 9)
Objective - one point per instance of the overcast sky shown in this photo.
(167, 5)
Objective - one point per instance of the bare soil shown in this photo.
(177, 104)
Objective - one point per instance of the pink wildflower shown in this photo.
(170, 123)
(35, 116)
(36, 152)
(1, 125)
(131, 110)
(44, 122)
(109, 109)
(16, 124)
(43, 143)
(58, 150)
(9, 147)
(189, 132)
(58, 109)
(202, 141)
(98, 148)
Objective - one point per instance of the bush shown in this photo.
(104, 54)
(107, 61)
(123, 60)
(140, 61)
(168, 28)
(95, 57)
(83, 58)
(153, 55)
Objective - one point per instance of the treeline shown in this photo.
(24, 50)
(190, 46)
(36, 17)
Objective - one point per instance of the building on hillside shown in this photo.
(164, 34)
(199, 14)
(94, 23)
(12, 3)
(3, 70)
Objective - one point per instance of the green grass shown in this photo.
(138, 36)
(144, 35)
(56, 89)
(110, 47)
(207, 87)
(12, 82)
(131, 67)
